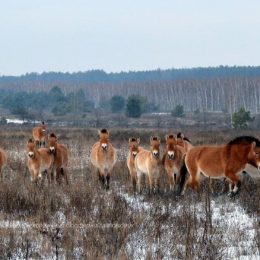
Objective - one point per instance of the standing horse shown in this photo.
(221, 161)
(39, 134)
(184, 142)
(61, 158)
(149, 163)
(173, 160)
(103, 156)
(3, 161)
(39, 160)
(134, 149)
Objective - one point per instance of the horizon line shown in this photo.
(129, 71)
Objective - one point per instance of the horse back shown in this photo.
(63, 154)
(100, 158)
(47, 159)
(37, 133)
(211, 160)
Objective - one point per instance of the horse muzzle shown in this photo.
(156, 154)
(170, 155)
(104, 147)
(52, 149)
(30, 155)
(134, 154)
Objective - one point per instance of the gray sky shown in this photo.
(122, 35)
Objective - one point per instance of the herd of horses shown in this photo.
(180, 161)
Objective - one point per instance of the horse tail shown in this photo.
(183, 176)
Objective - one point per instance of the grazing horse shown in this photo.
(61, 158)
(223, 161)
(149, 163)
(39, 160)
(184, 142)
(173, 160)
(3, 161)
(134, 149)
(39, 134)
(103, 156)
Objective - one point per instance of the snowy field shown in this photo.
(83, 221)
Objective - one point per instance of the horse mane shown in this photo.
(30, 140)
(245, 139)
(133, 139)
(103, 131)
(171, 136)
(42, 122)
(155, 138)
(53, 135)
(185, 138)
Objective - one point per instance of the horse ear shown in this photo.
(138, 140)
(253, 145)
(166, 137)
(130, 140)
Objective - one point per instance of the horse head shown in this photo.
(171, 142)
(155, 146)
(134, 146)
(104, 139)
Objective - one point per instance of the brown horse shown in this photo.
(61, 158)
(3, 161)
(149, 163)
(103, 156)
(223, 161)
(39, 134)
(39, 160)
(184, 142)
(173, 159)
(134, 149)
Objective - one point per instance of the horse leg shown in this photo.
(193, 180)
(233, 186)
(107, 181)
(1, 173)
(139, 179)
(157, 184)
(151, 182)
(102, 178)
(58, 175)
(170, 179)
(66, 177)
(133, 178)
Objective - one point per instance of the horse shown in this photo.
(39, 134)
(184, 142)
(134, 149)
(149, 163)
(103, 156)
(3, 161)
(173, 159)
(222, 161)
(39, 160)
(61, 158)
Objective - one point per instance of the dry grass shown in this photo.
(84, 221)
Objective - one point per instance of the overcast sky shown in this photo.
(122, 35)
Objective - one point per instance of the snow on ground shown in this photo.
(228, 218)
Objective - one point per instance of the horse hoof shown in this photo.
(232, 194)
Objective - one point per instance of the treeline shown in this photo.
(32, 105)
(199, 89)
